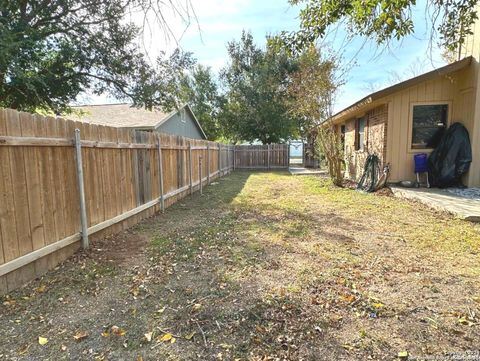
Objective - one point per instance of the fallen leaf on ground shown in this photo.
(168, 337)
(260, 329)
(80, 335)
(42, 340)
(465, 321)
(40, 289)
(10, 302)
(196, 307)
(148, 336)
(118, 331)
(135, 291)
(377, 305)
(348, 298)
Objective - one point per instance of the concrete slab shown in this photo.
(306, 171)
(296, 161)
(461, 207)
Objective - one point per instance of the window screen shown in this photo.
(360, 141)
(429, 124)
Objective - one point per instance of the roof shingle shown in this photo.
(120, 116)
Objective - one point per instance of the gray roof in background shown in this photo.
(120, 116)
(125, 116)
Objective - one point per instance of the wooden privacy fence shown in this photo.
(62, 182)
(269, 156)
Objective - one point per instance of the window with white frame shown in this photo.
(429, 122)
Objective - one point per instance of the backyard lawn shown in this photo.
(263, 266)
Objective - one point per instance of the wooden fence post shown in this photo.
(190, 166)
(234, 156)
(228, 160)
(208, 163)
(219, 159)
(268, 156)
(81, 189)
(160, 168)
(200, 174)
(288, 154)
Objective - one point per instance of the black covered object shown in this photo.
(370, 175)
(451, 159)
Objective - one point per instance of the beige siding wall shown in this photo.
(458, 90)
(374, 143)
(471, 98)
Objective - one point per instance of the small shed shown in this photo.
(178, 122)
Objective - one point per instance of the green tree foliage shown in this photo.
(50, 51)
(312, 88)
(256, 83)
(312, 91)
(159, 86)
(200, 91)
(383, 20)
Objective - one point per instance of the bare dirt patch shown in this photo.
(263, 266)
(120, 249)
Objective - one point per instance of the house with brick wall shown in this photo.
(409, 117)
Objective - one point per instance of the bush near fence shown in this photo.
(127, 176)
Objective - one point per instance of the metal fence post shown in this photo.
(81, 189)
(190, 166)
(160, 168)
(200, 174)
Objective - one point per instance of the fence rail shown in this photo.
(66, 183)
(126, 176)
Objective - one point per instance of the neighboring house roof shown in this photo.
(125, 116)
(448, 69)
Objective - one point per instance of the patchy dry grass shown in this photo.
(263, 266)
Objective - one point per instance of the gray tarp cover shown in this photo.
(451, 159)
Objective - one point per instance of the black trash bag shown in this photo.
(451, 159)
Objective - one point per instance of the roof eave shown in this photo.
(448, 69)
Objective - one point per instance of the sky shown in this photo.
(220, 21)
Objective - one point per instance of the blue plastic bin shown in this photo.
(421, 162)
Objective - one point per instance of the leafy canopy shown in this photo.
(382, 20)
(200, 90)
(256, 83)
(52, 50)
(312, 88)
